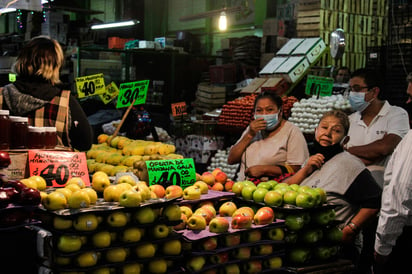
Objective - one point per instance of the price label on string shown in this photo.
(57, 167)
(179, 109)
(319, 86)
(177, 171)
(90, 85)
(111, 92)
(130, 91)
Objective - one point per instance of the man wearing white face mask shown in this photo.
(376, 128)
(270, 146)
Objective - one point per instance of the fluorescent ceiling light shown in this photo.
(222, 21)
(116, 24)
(6, 10)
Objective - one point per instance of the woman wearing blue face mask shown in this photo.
(270, 146)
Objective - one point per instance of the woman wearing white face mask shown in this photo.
(270, 146)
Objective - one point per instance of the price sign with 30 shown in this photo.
(132, 91)
(90, 85)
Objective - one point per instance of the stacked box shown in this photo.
(209, 97)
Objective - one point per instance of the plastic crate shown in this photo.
(117, 42)
(223, 74)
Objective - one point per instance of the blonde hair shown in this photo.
(41, 56)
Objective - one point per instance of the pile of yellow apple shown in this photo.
(127, 192)
(117, 237)
(119, 154)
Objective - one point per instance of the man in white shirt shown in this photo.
(394, 231)
(376, 128)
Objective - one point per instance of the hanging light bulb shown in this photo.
(222, 21)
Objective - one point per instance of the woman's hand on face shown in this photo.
(315, 161)
(256, 125)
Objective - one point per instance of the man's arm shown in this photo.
(376, 150)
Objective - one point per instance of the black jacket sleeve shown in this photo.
(364, 191)
(80, 133)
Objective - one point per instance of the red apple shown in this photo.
(241, 221)
(4, 159)
(228, 185)
(232, 239)
(219, 258)
(209, 243)
(30, 196)
(219, 225)
(264, 216)
(15, 184)
(173, 191)
(5, 200)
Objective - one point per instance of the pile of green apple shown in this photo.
(200, 263)
(272, 193)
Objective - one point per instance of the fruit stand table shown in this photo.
(335, 267)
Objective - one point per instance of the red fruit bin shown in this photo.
(117, 42)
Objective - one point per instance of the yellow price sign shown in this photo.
(90, 85)
(111, 92)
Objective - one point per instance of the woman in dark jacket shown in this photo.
(38, 95)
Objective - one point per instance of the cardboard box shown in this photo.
(254, 86)
(149, 45)
(273, 65)
(270, 26)
(312, 48)
(265, 59)
(18, 169)
(293, 68)
(164, 41)
(211, 95)
(211, 88)
(290, 46)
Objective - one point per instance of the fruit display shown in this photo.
(307, 113)
(215, 179)
(129, 228)
(311, 232)
(222, 236)
(18, 199)
(122, 154)
(219, 160)
(238, 112)
(288, 102)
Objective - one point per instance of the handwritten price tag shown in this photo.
(111, 91)
(90, 85)
(179, 109)
(130, 91)
(57, 167)
(179, 171)
(319, 86)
